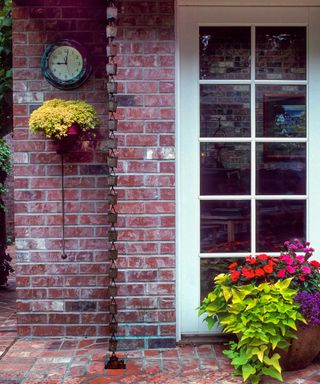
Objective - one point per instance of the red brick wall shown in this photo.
(58, 297)
(147, 206)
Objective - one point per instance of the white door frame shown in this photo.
(189, 18)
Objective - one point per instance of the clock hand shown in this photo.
(60, 63)
(66, 58)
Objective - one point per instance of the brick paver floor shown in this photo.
(8, 317)
(74, 361)
(70, 361)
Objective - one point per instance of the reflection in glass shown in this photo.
(225, 226)
(225, 168)
(281, 168)
(225, 110)
(281, 53)
(278, 221)
(281, 110)
(224, 52)
(209, 268)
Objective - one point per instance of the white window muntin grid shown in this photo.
(253, 197)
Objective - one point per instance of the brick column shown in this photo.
(58, 297)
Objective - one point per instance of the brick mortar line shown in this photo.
(8, 348)
(68, 365)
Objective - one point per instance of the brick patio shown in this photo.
(81, 361)
(71, 361)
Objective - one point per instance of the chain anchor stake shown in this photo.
(113, 361)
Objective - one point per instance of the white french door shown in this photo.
(249, 130)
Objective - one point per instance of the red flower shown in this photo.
(302, 277)
(235, 276)
(248, 273)
(233, 265)
(251, 260)
(268, 268)
(260, 272)
(263, 257)
(315, 263)
(271, 262)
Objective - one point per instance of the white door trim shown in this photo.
(250, 3)
(188, 218)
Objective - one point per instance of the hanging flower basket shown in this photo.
(59, 119)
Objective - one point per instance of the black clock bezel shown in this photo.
(71, 83)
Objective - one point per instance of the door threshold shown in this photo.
(219, 338)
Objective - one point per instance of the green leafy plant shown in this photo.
(5, 169)
(262, 300)
(5, 165)
(55, 117)
(263, 316)
(6, 121)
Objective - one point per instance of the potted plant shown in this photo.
(59, 119)
(5, 169)
(268, 302)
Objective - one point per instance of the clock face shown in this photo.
(65, 64)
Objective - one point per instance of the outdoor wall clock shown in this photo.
(65, 64)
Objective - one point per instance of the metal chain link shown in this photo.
(113, 362)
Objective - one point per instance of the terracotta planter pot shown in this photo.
(65, 144)
(303, 350)
(73, 130)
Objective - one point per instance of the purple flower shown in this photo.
(293, 247)
(309, 306)
(300, 259)
(287, 259)
(306, 269)
(290, 269)
(286, 243)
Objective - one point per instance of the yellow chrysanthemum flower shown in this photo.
(55, 116)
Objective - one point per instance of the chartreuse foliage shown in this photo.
(55, 116)
(264, 318)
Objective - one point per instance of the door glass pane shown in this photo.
(281, 168)
(224, 52)
(281, 110)
(224, 226)
(225, 110)
(278, 221)
(281, 53)
(224, 168)
(209, 268)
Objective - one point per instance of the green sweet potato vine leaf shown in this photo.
(263, 316)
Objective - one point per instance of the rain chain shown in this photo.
(113, 362)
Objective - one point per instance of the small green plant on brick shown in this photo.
(5, 67)
(5, 169)
(5, 166)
